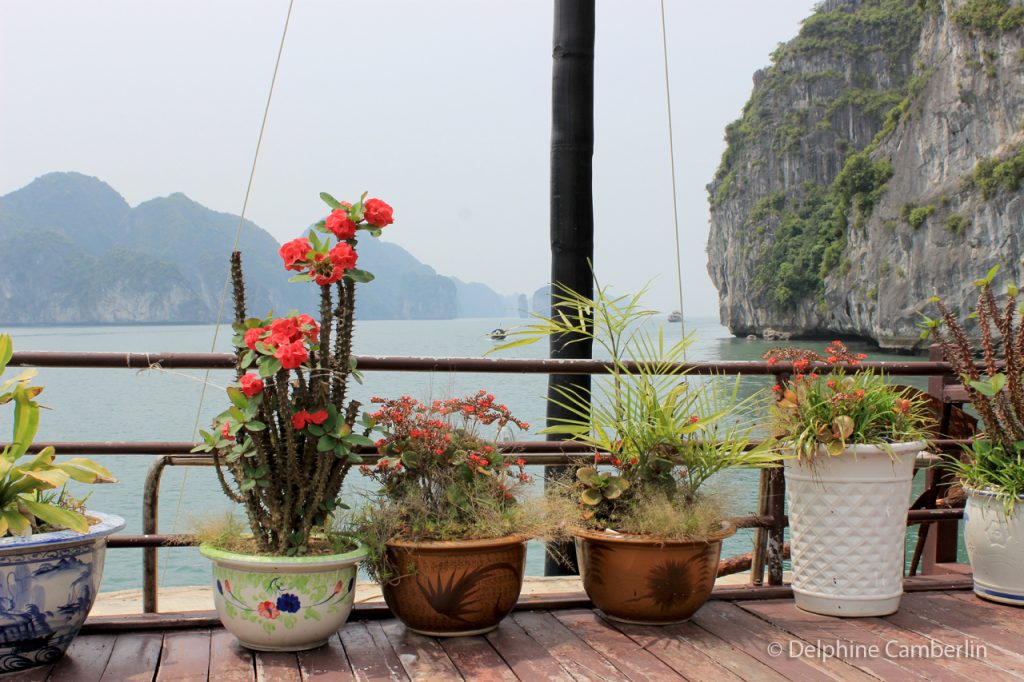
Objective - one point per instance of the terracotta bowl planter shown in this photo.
(450, 589)
(640, 579)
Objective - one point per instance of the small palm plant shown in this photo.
(29, 485)
(662, 432)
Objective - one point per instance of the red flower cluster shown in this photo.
(302, 418)
(251, 384)
(443, 433)
(285, 338)
(325, 268)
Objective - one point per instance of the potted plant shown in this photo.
(992, 470)
(447, 531)
(855, 438)
(287, 442)
(642, 508)
(51, 549)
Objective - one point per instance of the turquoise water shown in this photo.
(114, 405)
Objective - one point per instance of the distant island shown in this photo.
(72, 251)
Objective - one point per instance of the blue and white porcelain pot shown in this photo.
(48, 583)
(994, 536)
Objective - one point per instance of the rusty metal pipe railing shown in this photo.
(455, 364)
(770, 521)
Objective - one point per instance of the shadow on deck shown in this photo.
(941, 632)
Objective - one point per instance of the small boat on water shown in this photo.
(675, 316)
(498, 334)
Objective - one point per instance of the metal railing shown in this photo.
(770, 520)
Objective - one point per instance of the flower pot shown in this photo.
(642, 579)
(847, 526)
(450, 589)
(273, 603)
(995, 546)
(49, 583)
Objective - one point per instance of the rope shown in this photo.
(672, 162)
(234, 247)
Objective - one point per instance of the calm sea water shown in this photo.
(115, 405)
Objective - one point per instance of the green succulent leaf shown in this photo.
(591, 497)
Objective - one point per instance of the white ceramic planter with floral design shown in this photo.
(995, 546)
(283, 603)
(848, 526)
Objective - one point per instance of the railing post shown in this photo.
(943, 537)
(759, 555)
(150, 523)
(776, 534)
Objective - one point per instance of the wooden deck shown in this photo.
(726, 640)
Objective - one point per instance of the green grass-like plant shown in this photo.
(663, 432)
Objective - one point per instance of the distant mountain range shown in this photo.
(72, 251)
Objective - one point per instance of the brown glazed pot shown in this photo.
(641, 579)
(450, 589)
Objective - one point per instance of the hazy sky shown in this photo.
(440, 107)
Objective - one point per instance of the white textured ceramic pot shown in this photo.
(995, 546)
(48, 583)
(848, 525)
(283, 603)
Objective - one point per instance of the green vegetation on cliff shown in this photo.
(811, 221)
(999, 172)
(989, 16)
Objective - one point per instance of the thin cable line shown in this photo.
(234, 247)
(672, 162)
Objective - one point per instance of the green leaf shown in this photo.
(514, 344)
(326, 443)
(588, 475)
(300, 278)
(237, 397)
(358, 439)
(269, 367)
(357, 275)
(86, 471)
(988, 278)
(26, 423)
(591, 496)
(991, 387)
(247, 358)
(255, 425)
(315, 429)
(55, 516)
(329, 200)
(6, 351)
(17, 524)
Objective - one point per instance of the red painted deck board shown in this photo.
(726, 641)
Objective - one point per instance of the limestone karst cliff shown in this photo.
(879, 161)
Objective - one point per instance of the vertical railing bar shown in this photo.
(150, 524)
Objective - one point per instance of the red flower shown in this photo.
(318, 417)
(299, 420)
(340, 224)
(343, 256)
(328, 280)
(268, 609)
(284, 330)
(694, 419)
(312, 329)
(226, 431)
(292, 354)
(295, 251)
(777, 388)
(378, 213)
(252, 336)
(251, 384)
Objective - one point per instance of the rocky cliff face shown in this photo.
(878, 162)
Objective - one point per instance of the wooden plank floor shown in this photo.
(935, 636)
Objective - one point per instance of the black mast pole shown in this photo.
(572, 197)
